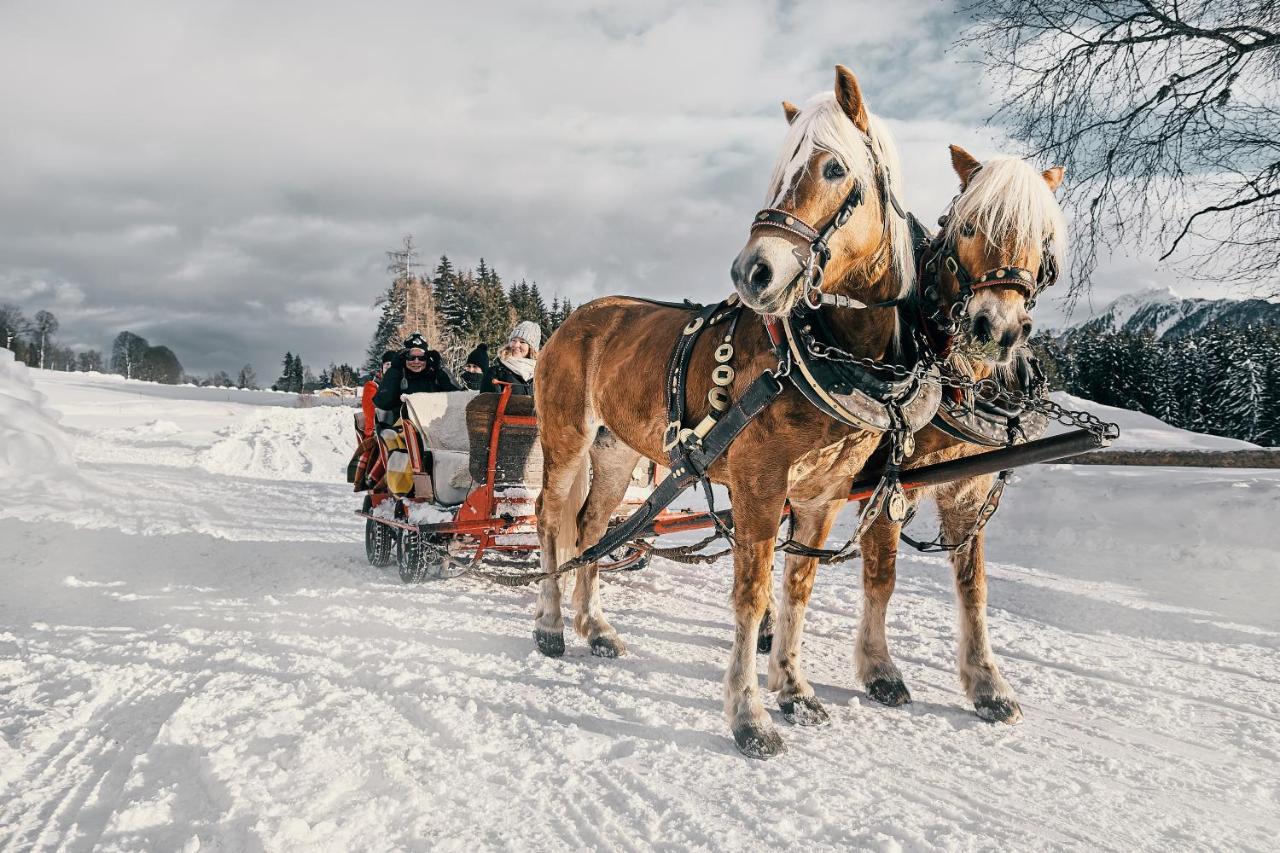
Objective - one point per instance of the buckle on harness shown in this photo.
(670, 436)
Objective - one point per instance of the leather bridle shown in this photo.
(944, 253)
(819, 242)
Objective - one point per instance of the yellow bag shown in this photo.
(399, 469)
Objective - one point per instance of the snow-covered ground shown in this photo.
(194, 654)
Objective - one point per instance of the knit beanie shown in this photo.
(529, 332)
(479, 357)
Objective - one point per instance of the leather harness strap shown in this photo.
(677, 376)
(693, 465)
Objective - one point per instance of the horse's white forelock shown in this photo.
(823, 125)
(1009, 203)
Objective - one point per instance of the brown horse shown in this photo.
(1005, 217)
(601, 381)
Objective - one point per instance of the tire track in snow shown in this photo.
(75, 783)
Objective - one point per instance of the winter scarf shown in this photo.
(522, 367)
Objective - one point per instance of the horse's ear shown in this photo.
(849, 96)
(1053, 177)
(965, 164)
(791, 110)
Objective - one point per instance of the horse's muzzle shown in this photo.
(755, 277)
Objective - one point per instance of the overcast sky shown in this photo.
(224, 178)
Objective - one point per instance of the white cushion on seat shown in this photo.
(441, 418)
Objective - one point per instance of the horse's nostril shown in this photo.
(982, 328)
(761, 275)
(1026, 329)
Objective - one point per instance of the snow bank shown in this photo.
(35, 454)
(118, 384)
(285, 444)
(1145, 432)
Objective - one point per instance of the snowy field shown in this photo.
(194, 654)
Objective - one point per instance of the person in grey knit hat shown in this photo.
(516, 360)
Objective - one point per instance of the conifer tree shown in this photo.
(286, 374)
(408, 306)
(538, 309)
(298, 376)
(1245, 398)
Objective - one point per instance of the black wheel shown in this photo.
(416, 559)
(379, 540)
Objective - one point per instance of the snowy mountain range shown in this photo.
(1163, 313)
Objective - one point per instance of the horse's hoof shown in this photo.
(764, 643)
(550, 644)
(608, 646)
(891, 692)
(756, 740)
(805, 711)
(995, 709)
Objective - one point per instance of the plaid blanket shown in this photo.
(366, 466)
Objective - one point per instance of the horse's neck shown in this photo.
(871, 332)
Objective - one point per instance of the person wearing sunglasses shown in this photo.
(415, 369)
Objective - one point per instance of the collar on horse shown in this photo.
(982, 414)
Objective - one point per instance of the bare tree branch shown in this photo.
(1166, 115)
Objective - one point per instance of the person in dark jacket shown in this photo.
(516, 360)
(476, 367)
(414, 370)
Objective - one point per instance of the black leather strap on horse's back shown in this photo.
(683, 305)
(677, 379)
(678, 370)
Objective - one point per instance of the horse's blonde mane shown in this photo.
(823, 125)
(1008, 200)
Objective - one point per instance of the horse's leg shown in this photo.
(876, 669)
(768, 622)
(755, 522)
(958, 506)
(612, 463)
(812, 522)
(564, 476)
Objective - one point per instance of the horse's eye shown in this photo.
(833, 171)
(967, 229)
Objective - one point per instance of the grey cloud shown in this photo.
(223, 178)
